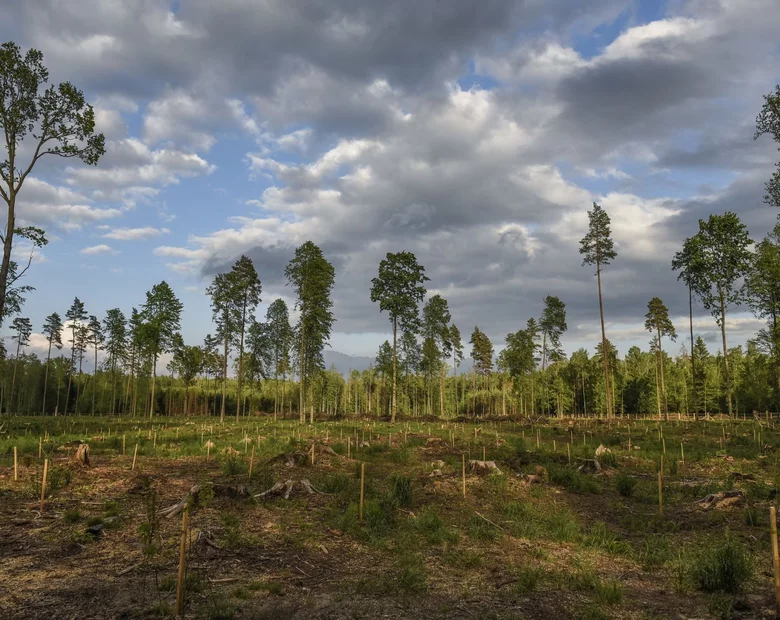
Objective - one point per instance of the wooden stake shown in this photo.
(312, 453)
(775, 557)
(483, 453)
(362, 487)
(43, 482)
(682, 452)
(251, 462)
(123, 445)
(135, 454)
(40, 446)
(660, 493)
(568, 450)
(349, 447)
(16, 466)
(182, 557)
(463, 455)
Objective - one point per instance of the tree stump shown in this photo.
(484, 467)
(82, 455)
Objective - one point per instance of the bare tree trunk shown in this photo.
(604, 352)
(154, 380)
(693, 360)
(393, 407)
(725, 349)
(46, 380)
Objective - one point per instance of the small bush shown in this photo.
(753, 517)
(625, 484)
(410, 575)
(234, 466)
(654, 552)
(609, 592)
(479, 529)
(430, 525)
(608, 459)
(401, 490)
(528, 578)
(724, 567)
(72, 515)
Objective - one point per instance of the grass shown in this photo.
(726, 566)
(571, 531)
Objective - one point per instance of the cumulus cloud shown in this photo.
(476, 135)
(98, 249)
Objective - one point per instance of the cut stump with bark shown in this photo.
(82, 455)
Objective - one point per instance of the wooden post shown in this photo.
(362, 487)
(182, 557)
(682, 452)
(463, 459)
(568, 450)
(660, 493)
(663, 441)
(123, 445)
(349, 447)
(483, 453)
(135, 454)
(775, 557)
(40, 446)
(312, 452)
(251, 462)
(16, 466)
(43, 482)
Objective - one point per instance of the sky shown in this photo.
(474, 133)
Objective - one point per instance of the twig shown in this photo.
(127, 570)
(494, 524)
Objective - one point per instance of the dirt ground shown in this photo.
(564, 545)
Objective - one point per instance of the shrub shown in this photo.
(609, 592)
(625, 484)
(72, 515)
(479, 529)
(401, 490)
(430, 525)
(528, 578)
(724, 567)
(233, 466)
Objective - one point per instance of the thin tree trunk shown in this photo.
(154, 380)
(693, 357)
(604, 352)
(393, 407)
(224, 374)
(725, 350)
(46, 380)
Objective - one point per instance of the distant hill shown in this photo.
(345, 363)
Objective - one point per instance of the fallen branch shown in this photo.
(129, 569)
(484, 518)
(176, 509)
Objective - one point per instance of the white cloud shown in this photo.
(135, 234)
(98, 249)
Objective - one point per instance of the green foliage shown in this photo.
(722, 566)
(401, 490)
(768, 122)
(573, 480)
(528, 578)
(433, 529)
(609, 592)
(625, 484)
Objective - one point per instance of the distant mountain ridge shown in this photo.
(344, 363)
